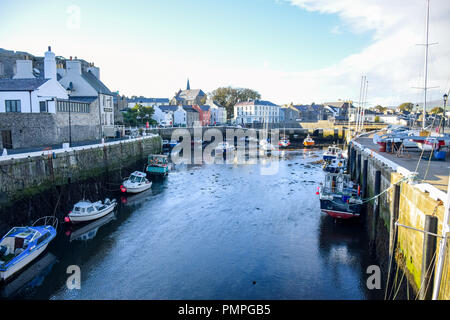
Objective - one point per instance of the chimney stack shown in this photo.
(24, 69)
(73, 67)
(50, 65)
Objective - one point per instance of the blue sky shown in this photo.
(278, 47)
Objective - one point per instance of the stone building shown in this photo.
(38, 112)
(189, 97)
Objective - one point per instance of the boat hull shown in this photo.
(97, 215)
(341, 210)
(4, 275)
(137, 189)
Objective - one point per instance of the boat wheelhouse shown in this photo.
(332, 152)
(337, 165)
(158, 164)
(135, 183)
(339, 198)
(87, 211)
(21, 245)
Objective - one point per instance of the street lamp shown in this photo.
(443, 115)
(69, 92)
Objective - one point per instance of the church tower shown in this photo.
(188, 87)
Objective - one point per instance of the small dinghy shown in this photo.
(21, 245)
(136, 183)
(86, 211)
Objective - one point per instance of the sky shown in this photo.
(299, 51)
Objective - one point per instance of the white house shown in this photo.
(218, 113)
(85, 85)
(164, 114)
(256, 111)
(37, 111)
(27, 94)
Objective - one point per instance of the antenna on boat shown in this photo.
(426, 44)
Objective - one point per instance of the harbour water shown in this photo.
(222, 231)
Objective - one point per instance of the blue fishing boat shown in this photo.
(333, 152)
(21, 245)
(340, 197)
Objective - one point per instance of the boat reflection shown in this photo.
(31, 277)
(88, 231)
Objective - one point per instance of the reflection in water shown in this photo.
(218, 232)
(28, 280)
(88, 231)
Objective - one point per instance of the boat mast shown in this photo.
(426, 64)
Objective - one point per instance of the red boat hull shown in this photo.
(340, 214)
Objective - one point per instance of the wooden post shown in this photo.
(376, 204)
(364, 178)
(358, 169)
(429, 248)
(349, 158)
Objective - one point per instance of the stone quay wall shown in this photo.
(407, 203)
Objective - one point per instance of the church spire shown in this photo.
(188, 87)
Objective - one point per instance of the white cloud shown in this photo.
(393, 63)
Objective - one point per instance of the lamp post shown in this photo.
(443, 115)
(69, 92)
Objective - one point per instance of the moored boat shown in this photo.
(86, 211)
(308, 141)
(339, 198)
(136, 183)
(332, 152)
(224, 147)
(158, 164)
(335, 166)
(21, 245)
(284, 143)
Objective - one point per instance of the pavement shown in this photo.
(433, 172)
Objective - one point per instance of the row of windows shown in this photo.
(78, 107)
(258, 113)
(263, 108)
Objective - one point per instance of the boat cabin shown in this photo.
(137, 177)
(339, 183)
(16, 241)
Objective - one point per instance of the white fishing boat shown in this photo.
(224, 147)
(86, 211)
(21, 245)
(332, 152)
(136, 183)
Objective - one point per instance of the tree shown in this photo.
(437, 110)
(407, 106)
(228, 97)
(139, 114)
(380, 109)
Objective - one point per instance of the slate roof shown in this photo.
(21, 84)
(189, 94)
(205, 107)
(189, 109)
(95, 83)
(149, 100)
(256, 102)
(168, 108)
